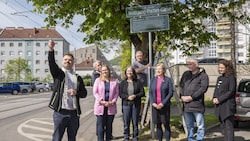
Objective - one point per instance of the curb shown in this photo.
(212, 126)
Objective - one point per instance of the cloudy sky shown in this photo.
(17, 13)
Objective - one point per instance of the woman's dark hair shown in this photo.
(229, 67)
(134, 76)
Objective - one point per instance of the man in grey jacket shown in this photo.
(194, 84)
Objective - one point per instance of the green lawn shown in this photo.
(177, 131)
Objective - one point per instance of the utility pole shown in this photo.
(233, 48)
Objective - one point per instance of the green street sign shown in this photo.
(149, 10)
(150, 23)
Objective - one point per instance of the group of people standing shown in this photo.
(131, 90)
(194, 83)
(69, 88)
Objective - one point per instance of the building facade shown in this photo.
(221, 48)
(30, 44)
(85, 57)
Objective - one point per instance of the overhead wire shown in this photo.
(27, 10)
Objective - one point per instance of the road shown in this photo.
(241, 134)
(28, 118)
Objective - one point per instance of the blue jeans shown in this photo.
(62, 120)
(104, 125)
(190, 118)
(131, 112)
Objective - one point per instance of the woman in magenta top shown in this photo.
(160, 92)
(105, 91)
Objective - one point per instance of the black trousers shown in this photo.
(227, 127)
(65, 120)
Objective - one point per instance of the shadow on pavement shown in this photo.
(236, 138)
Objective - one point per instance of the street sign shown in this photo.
(149, 10)
(150, 23)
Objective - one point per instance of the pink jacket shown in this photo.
(98, 92)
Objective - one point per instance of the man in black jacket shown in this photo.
(194, 84)
(68, 88)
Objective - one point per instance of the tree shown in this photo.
(16, 69)
(106, 20)
(126, 53)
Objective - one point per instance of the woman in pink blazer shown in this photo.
(105, 91)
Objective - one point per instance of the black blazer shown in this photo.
(138, 91)
(225, 92)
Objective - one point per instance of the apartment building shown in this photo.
(85, 57)
(221, 48)
(30, 44)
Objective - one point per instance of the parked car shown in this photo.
(10, 87)
(242, 98)
(40, 86)
(210, 60)
(25, 87)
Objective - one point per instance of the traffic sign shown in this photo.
(150, 23)
(149, 10)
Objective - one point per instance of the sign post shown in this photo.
(149, 18)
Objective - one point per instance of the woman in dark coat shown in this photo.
(160, 92)
(224, 98)
(131, 90)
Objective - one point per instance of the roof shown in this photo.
(85, 64)
(20, 32)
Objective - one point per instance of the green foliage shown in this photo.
(48, 78)
(115, 61)
(87, 76)
(126, 56)
(16, 69)
(106, 20)
(87, 80)
(209, 103)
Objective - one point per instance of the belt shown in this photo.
(67, 110)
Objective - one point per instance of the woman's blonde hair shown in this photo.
(162, 66)
(101, 75)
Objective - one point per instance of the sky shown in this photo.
(17, 13)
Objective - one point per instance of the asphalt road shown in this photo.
(27, 118)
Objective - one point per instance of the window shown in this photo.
(37, 52)
(2, 61)
(46, 44)
(20, 53)
(37, 61)
(29, 44)
(2, 71)
(29, 62)
(46, 53)
(46, 61)
(240, 54)
(11, 44)
(46, 70)
(20, 44)
(38, 71)
(29, 53)
(2, 44)
(38, 44)
(2, 53)
(11, 53)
